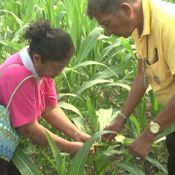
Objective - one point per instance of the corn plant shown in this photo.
(91, 90)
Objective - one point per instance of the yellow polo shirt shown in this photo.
(157, 46)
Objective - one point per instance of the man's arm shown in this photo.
(57, 118)
(137, 92)
(142, 145)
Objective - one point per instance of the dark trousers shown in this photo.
(12, 170)
(8, 168)
(3, 167)
(170, 143)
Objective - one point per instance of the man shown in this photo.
(152, 24)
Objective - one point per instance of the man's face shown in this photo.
(116, 23)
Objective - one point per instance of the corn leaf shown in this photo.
(79, 161)
(25, 164)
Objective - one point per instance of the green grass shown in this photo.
(91, 89)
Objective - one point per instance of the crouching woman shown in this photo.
(28, 92)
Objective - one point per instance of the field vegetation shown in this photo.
(91, 90)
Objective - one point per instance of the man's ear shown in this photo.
(126, 9)
(36, 59)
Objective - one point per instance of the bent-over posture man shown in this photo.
(152, 24)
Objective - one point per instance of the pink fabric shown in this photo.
(31, 98)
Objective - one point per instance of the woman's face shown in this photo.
(49, 69)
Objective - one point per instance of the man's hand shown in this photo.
(115, 126)
(142, 145)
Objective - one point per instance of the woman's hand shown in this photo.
(57, 118)
(81, 136)
(74, 147)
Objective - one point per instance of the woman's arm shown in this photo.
(57, 118)
(37, 133)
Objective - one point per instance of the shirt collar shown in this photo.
(146, 18)
(27, 61)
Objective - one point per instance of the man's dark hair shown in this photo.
(51, 44)
(95, 7)
(100, 6)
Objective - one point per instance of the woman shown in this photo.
(48, 53)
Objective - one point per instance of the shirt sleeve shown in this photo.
(168, 43)
(140, 46)
(50, 92)
(23, 105)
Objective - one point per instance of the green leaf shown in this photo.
(132, 169)
(18, 20)
(60, 162)
(24, 163)
(104, 117)
(80, 122)
(157, 164)
(70, 107)
(90, 84)
(88, 44)
(92, 114)
(78, 162)
(167, 131)
(136, 128)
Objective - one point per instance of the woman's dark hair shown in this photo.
(51, 44)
